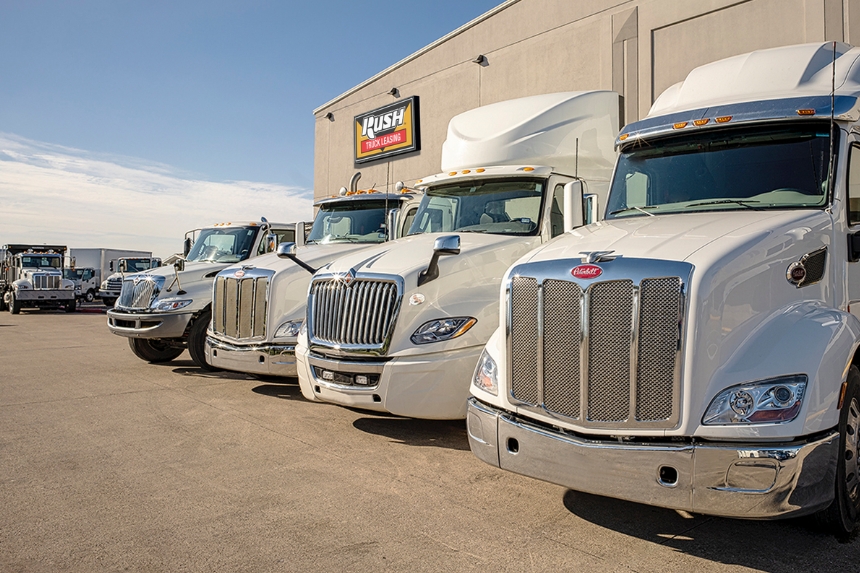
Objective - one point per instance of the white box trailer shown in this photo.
(100, 259)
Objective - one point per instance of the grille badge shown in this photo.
(586, 271)
(348, 277)
(239, 274)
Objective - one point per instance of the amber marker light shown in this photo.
(623, 136)
(453, 173)
(806, 112)
(680, 125)
(465, 171)
(724, 119)
(528, 168)
(481, 170)
(701, 122)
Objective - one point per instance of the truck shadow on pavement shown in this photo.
(286, 390)
(774, 546)
(450, 434)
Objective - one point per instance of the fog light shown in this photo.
(359, 379)
(327, 375)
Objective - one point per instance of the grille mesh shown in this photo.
(561, 347)
(359, 314)
(619, 387)
(239, 307)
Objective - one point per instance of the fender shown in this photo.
(801, 338)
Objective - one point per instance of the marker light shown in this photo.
(806, 112)
(700, 122)
(465, 171)
(481, 170)
(723, 119)
(528, 168)
(680, 125)
(623, 136)
(453, 173)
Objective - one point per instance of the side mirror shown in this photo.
(853, 247)
(300, 233)
(271, 242)
(286, 250)
(393, 230)
(110, 266)
(186, 247)
(591, 208)
(179, 265)
(123, 266)
(573, 206)
(447, 245)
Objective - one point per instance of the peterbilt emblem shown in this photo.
(239, 274)
(348, 277)
(586, 272)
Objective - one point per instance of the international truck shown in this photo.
(258, 308)
(104, 262)
(399, 328)
(165, 310)
(110, 288)
(31, 276)
(698, 348)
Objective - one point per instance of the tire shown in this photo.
(72, 306)
(89, 296)
(197, 341)
(109, 302)
(841, 517)
(153, 350)
(14, 305)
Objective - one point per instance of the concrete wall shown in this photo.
(635, 47)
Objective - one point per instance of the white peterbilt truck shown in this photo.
(399, 327)
(259, 307)
(165, 310)
(698, 348)
(32, 277)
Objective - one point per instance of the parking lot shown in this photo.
(108, 463)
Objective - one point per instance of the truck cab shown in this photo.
(258, 308)
(163, 311)
(398, 328)
(32, 277)
(86, 282)
(698, 348)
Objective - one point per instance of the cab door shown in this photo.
(852, 215)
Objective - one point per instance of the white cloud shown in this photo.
(54, 194)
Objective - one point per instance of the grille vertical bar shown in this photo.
(524, 333)
(359, 314)
(562, 336)
(610, 327)
(218, 306)
(659, 333)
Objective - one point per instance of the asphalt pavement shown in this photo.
(108, 463)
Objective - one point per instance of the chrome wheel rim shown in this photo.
(850, 454)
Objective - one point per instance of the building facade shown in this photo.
(637, 48)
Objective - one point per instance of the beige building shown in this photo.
(635, 47)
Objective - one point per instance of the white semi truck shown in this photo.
(399, 327)
(31, 276)
(110, 288)
(165, 310)
(259, 307)
(698, 348)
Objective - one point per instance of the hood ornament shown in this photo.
(591, 257)
(348, 277)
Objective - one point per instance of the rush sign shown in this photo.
(386, 131)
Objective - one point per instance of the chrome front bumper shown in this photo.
(264, 358)
(148, 325)
(753, 481)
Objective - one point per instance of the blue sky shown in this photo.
(122, 124)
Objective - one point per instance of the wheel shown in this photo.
(153, 350)
(72, 305)
(14, 305)
(197, 341)
(109, 302)
(89, 296)
(842, 515)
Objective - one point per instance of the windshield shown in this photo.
(223, 245)
(351, 222)
(31, 261)
(497, 206)
(137, 265)
(72, 274)
(749, 168)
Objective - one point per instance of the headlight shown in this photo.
(169, 304)
(289, 329)
(104, 285)
(486, 374)
(442, 329)
(23, 287)
(769, 401)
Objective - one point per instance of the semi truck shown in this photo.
(163, 311)
(398, 328)
(32, 277)
(698, 348)
(258, 308)
(110, 288)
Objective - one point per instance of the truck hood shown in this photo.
(467, 286)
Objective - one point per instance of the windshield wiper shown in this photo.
(640, 209)
(741, 202)
(471, 231)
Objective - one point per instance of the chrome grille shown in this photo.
(604, 353)
(239, 306)
(360, 315)
(137, 293)
(42, 281)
